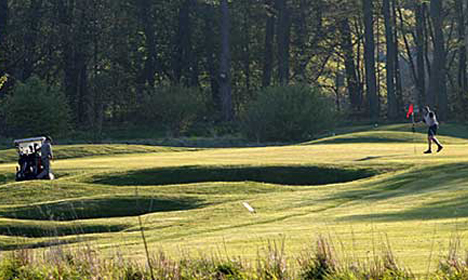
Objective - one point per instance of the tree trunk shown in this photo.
(225, 65)
(81, 66)
(283, 38)
(269, 35)
(369, 58)
(246, 49)
(83, 105)
(300, 24)
(462, 78)
(390, 61)
(210, 54)
(396, 59)
(149, 70)
(359, 67)
(95, 100)
(4, 13)
(30, 38)
(66, 14)
(350, 69)
(182, 62)
(420, 54)
(437, 88)
(194, 67)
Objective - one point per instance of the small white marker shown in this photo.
(250, 208)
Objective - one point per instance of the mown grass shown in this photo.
(379, 136)
(416, 200)
(78, 151)
(447, 129)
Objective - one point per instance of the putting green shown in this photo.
(191, 200)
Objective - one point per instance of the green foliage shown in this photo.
(274, 265)
(291, 113)
(175, 107)
(321, 264)
(229, 271)
(15, 266)
(10, 268)
(3, 80)
(36, 109)
(453, 266)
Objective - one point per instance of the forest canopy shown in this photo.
(109, 57)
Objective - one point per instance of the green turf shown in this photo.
(379, 185)
(77, 151)
(381, 136)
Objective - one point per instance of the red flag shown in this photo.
(410, 111)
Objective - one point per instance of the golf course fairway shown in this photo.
(362, 189)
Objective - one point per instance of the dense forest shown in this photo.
(107, 57)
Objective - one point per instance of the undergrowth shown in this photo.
(320, 262)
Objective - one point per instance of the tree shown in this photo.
(437, 94)
(462, 75)
(184, 60)
(283, 39)
(4, 12)
(209, 53)
(369, 59)
(350, 68)
(269, 35)
(225, 65)
(390, 61)
(3, 31)
(147, 75)
(420, 52)
(107, 55)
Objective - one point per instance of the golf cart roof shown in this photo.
(29, 140)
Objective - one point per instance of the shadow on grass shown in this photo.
(99, 208)
(54, 230)
(41, 244)
(442, 180)
(441, 209)
(285, 175)
(7, 178)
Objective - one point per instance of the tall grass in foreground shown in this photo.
(318, 263)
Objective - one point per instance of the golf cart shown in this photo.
(29, 152)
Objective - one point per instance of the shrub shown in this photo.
(454, 266)
(36, 109)
(175, 107)
(319, 265)
(287, 114)
(274, 265)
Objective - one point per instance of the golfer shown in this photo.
(431, 121)
(46, 156)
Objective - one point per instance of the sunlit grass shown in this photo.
(416, 201)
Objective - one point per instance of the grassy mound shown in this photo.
(381, 136)
(104, 207)
(445, 129)
(79, 151)
(284, 175)
(49, 229)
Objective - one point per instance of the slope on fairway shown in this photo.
(77, 151)
(416, 200)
